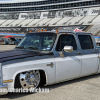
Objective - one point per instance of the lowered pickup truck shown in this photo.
(48, 58)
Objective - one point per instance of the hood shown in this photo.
(19, 54)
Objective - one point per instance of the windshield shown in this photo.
(38, 41)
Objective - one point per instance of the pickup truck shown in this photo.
(39, 60)
(11, 41)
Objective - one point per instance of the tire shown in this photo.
(30, 79)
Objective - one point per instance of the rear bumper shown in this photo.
(3, 89)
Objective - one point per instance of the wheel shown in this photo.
(30, 79)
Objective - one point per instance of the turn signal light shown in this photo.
(42, 30)
(57, 31)
(38, 30)
(45, 30)
(30, 31)
(7, 81)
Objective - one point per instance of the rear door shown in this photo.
(89, 54)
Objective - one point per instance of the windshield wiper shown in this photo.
(35, 48)
(20, 47)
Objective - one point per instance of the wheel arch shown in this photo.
(43, 76)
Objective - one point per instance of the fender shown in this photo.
(18, 72)
(12, 70)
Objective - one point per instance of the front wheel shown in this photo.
(30, 79)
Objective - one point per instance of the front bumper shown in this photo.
(3, 89)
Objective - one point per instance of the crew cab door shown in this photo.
(89, 54)
(69, 66)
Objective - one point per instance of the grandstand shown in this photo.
(19, 15)
(43, 22)
(87, 20)
(25, 22)
(15, 23)
(34, 22)
(2, 21)
(96, 20)
(63, 21)
(95, 29)
(74, 20)
(7, 23)
(53, 22)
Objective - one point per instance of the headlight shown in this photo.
(0, 74)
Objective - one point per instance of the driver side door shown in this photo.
(69, 66)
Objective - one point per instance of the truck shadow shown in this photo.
(18, 95)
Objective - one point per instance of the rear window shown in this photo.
(85, 42)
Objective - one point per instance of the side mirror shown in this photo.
(68, 48)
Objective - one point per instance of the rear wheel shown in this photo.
(30, 79)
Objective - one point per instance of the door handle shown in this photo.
(78, 53)
(51, 64)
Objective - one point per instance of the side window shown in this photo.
(66, 40)
(86, 42)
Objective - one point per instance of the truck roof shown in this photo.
(60, 32)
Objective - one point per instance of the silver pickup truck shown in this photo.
(48, 58)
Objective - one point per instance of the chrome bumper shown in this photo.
(3, 89)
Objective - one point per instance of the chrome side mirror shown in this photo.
(68, 49)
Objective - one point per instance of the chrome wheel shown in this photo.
(30, 79)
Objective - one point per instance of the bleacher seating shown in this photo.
(6, 23)
(99, 33)
(87, 20)
(34, 22)
(53, 22)
(94, 29)
(93, 21)
(96, 20)
(16, 23)
(74, 21)
(43, 22)
(1, 22)
(63, 21)
(25, 22)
